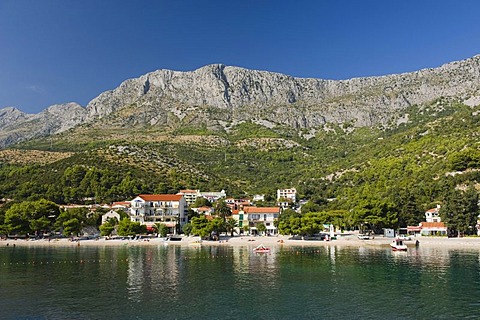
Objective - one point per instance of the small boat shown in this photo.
(261, 249)
(398, 245)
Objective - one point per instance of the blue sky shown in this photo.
(57, 51)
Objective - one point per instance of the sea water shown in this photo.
(223, 282)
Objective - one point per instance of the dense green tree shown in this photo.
(409, 211)
(375, 214)
(261, 227)
(201, 202)
(71, 221)
(161, 229)
(222, 210)
(187, 229)
(230, 225)
(217, 225)
(289, 222)
(126, 227)
(192, 214)
(464, 159)
(460, 211)
(201, 226)
(113, 221)
(72, 227)
(106, 229)
(32, 217)
(310, 206)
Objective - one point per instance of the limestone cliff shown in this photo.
(242, 94)
(216, 95)
(16, 126)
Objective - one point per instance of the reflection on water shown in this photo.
(153, 269)
(174, 282)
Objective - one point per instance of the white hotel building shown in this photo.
(287, 194)
(169, 209)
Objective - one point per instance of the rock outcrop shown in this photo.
(17, 126)
(216, 95)
(241, 94)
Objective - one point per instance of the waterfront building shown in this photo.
(433, 229)
(242, 220)
(110, 214)
(261, 215)
(432, 225)
(433, 215)
(169, 209)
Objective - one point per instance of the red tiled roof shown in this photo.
(414, 228)
(160, 197)
(188, 191)
(432, 225)
(261, 209)
(121, 203)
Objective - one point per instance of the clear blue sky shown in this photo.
(57, 51)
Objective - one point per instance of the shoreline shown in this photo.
(347, 240)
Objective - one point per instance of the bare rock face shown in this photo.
(11, 115)
(61, 117)
(218, 95)
(241, 94)
(17, 126)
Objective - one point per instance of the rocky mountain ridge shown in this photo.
(217, 95)
(16, 126)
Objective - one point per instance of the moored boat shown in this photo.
(398, 245)
(261, 249)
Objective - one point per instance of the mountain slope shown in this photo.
(414, 160)
(217, 96)
(16, 126)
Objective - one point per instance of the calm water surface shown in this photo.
(173, 282)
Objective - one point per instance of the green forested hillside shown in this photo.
(386, 176)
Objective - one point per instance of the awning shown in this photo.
(414, 228)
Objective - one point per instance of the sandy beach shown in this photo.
(346, 240)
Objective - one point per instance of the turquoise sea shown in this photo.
(174, 282)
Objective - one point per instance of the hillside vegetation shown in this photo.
(387, 176)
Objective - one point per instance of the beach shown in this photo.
(346, 240)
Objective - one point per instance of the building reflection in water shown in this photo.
(153, 270)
